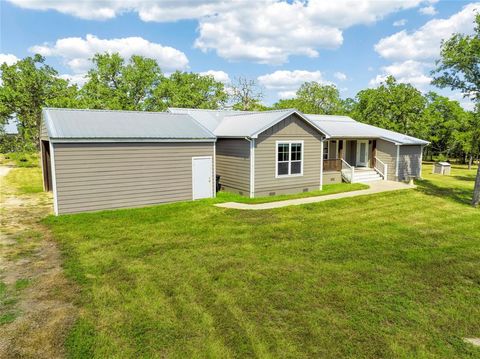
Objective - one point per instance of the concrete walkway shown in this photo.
(375, 187)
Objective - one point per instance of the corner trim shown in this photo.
(252, 168)
(54, 179)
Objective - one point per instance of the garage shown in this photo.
(95, 159)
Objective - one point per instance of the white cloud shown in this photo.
(264, 31)
(77, 79)
(220, 76)
(286, 82)
(425, 42)
(76, 52)
(340, 76)
(428, 10)
(8, 59)
(401, 22)
(409, 71)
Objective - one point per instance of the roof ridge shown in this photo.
(106, 110)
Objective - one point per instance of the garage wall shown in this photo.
(290, 129)
(387, 153)
(233, 164)
(410, 163)
(97, 176)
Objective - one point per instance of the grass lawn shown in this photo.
(327, 189)
(387, 275)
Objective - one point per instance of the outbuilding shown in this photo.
(96, 159)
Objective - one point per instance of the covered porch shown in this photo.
(355, 159)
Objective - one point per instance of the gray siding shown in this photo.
(410, 162)
(387, 153)
(290, 129)
(99, 176)
(233, 165)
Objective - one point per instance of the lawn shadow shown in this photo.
(460, 195)
(470, 178)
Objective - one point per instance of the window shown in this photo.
(326, 145)
(289, 158)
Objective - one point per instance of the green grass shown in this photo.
(387, 275)
(21, 159)
(327, 189)
(25, 180)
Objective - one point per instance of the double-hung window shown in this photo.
(289, 158)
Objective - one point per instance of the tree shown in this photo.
(27, 86)
(246, 95)
(315, 98)
(112, 84)
(443, 121)
(459, 69)
(392, 105)
(188, 89)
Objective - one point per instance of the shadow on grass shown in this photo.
(470, 178)
(460, 195)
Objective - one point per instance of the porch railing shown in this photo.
(332, 165)
(381, 168)
(348, 172)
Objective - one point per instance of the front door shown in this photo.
(202, 186)
(362, 153)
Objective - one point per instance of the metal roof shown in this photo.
(96, 125)
(346, 127)
(210, 119)
(229, 123)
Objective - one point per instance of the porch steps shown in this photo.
(365, 175)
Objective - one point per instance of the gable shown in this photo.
(292, 126)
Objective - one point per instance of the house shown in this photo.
(95, 159)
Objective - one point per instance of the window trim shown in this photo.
(289, 143)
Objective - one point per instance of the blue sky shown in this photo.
(353, 44)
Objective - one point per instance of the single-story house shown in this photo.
(94, 159)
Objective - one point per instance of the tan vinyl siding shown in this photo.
(291, 129)
(410, 162)
(387, 153)
(233, 165)
(114, 175)
(332, 177)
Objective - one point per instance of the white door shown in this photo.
(362, 153)
(202, 177)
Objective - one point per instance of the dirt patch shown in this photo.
(36, 300)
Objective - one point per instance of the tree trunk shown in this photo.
(470, 161)
(476, 190)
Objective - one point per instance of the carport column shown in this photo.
(252, 167)
(54, 178)
(344, 150)
(321, 163)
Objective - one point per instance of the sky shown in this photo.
(353, 44)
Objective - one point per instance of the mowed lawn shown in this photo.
(379, 276)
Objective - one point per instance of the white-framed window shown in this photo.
(326, 147)
(289, 158)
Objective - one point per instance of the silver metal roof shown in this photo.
(210, 119)
(346, 127)
(228, 123)
(95, 125)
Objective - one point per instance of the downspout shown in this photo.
(252, 166)
(321, 162)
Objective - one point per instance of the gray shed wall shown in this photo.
(97, 176)
(290, 129)
(410, 163)
(233, 164)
